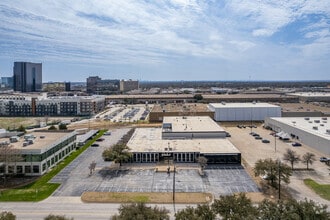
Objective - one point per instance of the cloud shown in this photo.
(159, 32)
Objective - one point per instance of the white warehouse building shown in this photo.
(253, 111)
(312, 131)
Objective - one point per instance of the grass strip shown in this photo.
(41, 189)
(322, 190)
(147, 197)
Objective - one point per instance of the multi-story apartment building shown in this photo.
(51, 106)
(128, 85)
(27, 77)
(96, 85)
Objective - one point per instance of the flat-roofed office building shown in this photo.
(39, 151)
(183, 140)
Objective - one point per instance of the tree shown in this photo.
(118, 153)
(7, 216)
(139, 211)
(52, 128)
(308, 158)
(201, 212)
(234, 207)
(202, 161)
(21, 128)
(198, 97)
(62, 127)
(292, 209)
(269, 170)
(57, 217)
(291, 156)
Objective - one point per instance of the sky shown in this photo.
(160, 40)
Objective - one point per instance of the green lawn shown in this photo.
(322, 190)
(41, 189)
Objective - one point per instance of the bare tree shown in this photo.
(9, 156)
(202, 161)
(308, 158)
(292, 157)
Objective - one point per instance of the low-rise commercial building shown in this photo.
(183, 140)
(253, 111)
(160, 111)
(37, 152)
(312, 131)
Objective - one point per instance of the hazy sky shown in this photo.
(168, 40)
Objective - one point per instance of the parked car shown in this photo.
(228, 134)
(100, 139)
(296, 144)
(265, 141)
(324, 159)
(95, 145)
(257, 137)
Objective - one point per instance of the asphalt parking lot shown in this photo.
(75, 178)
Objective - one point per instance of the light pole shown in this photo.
(275, 141)
(174, 184)
(279, 179)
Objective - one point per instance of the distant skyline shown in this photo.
(168, 40)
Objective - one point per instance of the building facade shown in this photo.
(312, 131)
(27, 77)
(51, 106)
(253, 111)
(128, 85)
(96, 85)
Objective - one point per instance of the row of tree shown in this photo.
(10, 216)
(293, 158)
(232, 207)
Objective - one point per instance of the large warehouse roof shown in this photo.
(315, 125)
(192, 124)
(242, 105)
(150, 140)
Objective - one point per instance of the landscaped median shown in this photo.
(41, 189)
(147, 197)
(322, 190)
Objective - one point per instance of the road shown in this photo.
(71, 207)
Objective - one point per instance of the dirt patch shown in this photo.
(123, 197)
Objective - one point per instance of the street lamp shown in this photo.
(174, 184)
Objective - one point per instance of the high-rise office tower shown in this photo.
(27, 77)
